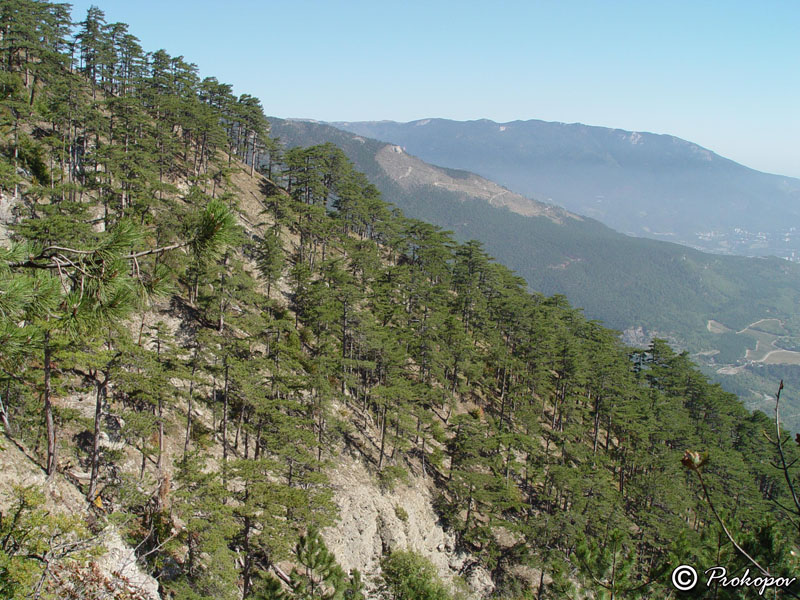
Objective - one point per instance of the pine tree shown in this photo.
(408, 576)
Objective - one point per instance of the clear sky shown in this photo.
(725, 75)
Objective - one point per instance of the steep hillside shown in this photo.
(412, 173)
(275, 386)
(655, 186)
(641, 287)
(626, 282)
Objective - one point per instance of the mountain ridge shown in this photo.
(642, 287)
(640, 183)
(410, 171)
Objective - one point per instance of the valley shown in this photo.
(768, 342)
(642, 184)
(643, 288)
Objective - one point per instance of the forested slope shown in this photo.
(643, 288)
(623, 281)
(193, 345)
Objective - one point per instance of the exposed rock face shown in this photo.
(410, 171)
(479, 580)
(640, 337)
(118, 560)
(637, 337)
(6, 216)
(373, 522)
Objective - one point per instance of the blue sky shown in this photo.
(725, 75)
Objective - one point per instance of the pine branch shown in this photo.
(60, 260)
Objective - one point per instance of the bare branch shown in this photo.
(779, 444)
(725, 528)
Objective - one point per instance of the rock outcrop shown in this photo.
(117, 561)
(375, 522)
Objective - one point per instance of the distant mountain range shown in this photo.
(627, 282)
(642, 287)
(642, 184)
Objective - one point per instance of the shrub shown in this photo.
(401, 513)
(407, 575)
(391, 475)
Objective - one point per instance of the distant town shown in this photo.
(782, 243)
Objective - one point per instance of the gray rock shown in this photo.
(369, 525)
(119, 560)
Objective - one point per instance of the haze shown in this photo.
(723, 75)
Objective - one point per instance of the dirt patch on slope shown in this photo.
(409, 171)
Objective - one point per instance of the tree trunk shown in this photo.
(189, 408)
(225, 427)
(248, 558)
(160, 436)
(541, 584)
(48, 411)
(238, 428)
(100, 396)
(596, 422)
(4, 413)
(383, 438)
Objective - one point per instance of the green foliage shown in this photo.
(200, 503)
(608, 568)
(392, 475)
(732, 347)
(401, 513)
(270, 257)
(547, 443)
(670, 290)
(213, 232)
(317, 577)
(35, 545)
(406, 575)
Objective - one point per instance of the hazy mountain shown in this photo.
(657, 186)
(623, 280)
(698, 301)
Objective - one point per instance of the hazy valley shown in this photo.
(642, 184)
(640, 287)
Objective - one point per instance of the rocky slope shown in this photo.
(656, 186)
(375, 521)
(411, 172)
(372, 520)
(114, 560)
